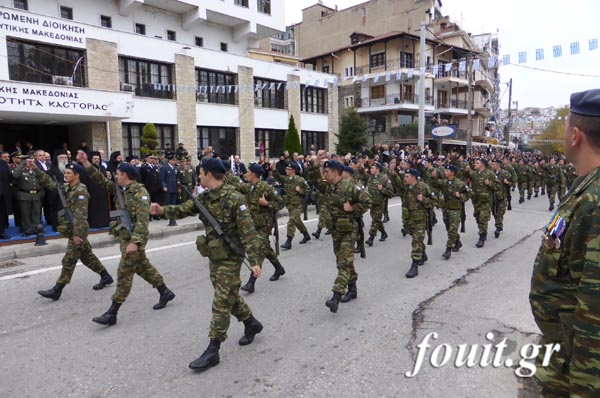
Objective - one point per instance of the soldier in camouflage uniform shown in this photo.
(514, 179)
(537, 178)
(565, 284)
(186, 175)
(132, 244)
(503, 182)
(453, 192)
(346, 203)
(78, 246)
(229, 208)
(542, 164)
(379, 188)
(295, 189)
(570, 174)
(562, 189)
(483, 184)
(324, 220)
(524, 176)
(264, 203)
(417, 197)
(553, 175)
(29, 196)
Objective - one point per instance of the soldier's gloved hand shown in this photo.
(420, 197)
(77, 240)
(256, 271)
(379, 187)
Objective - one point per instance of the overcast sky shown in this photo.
(523, 25)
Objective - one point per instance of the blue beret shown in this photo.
(226, 164)
(414, 172)
(349, 169)
(256, 169)
(334, 165)
(128, 169)
(77, 169)
(378, 165)
(170, 156)
(497, 160)
(213, 165)
(484, 161)
(586, 103)
(294, 166)
(452, 168)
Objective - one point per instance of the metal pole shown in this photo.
(509, 125)
(517, 116)
(421, 121)
(108, 146)
(470, 107)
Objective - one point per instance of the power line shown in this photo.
(553, 71)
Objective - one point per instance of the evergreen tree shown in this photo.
(149, 139)
(352, 134)
(291, 143)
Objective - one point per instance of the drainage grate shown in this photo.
(11, 263)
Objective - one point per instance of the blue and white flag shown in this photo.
(410, 73)
(448, 67)
(557, 51)
(522, 57)
(477, 64)
(435, 69)
(575, 48)
(388, 76)
(506, 59)
(539, 54)
(493, 62)
(593, 44)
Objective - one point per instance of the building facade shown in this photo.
(99, 70)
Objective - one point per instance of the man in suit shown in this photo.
(5, 194)
(168, 180)
(239, 168)
(151, 179)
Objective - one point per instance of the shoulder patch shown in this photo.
(81, 197)
(243, 208)
(144, 198)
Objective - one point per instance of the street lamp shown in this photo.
(374, 129)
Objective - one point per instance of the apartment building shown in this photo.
(99, 70)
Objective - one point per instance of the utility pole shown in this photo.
(470, 107)
(517, 115)
(508, 126)
(423, 59)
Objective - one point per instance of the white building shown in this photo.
(98, 70)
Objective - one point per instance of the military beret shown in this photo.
(349, 169)
(452, 168)
(226, 164)
(128, 169)
(355, 161)
(378, 165)
(484, 161)
(213, 165)
(294, 166)
(413, 172)
(77, 169)
(170, 156)
(430, 160)
(497, 160)
(586, 103)
(334, 165)
(256, 169)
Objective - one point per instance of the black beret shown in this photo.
(484, 161)
(413, 172)
(256, 169)
(170, 156)
(226, 164)
(430, 160)
(294, 166)
(77, 169)
(452, 168)
(497, 160)
(378, 165)
(128, 169)
(349, 169)
(213, 165)
(586, 103)
(334, 165)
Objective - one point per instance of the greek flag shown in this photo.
(435, 69)
(493, 62)
(557, 51)
(462, 66)
(388, 76)
(411, 71)
(522, 57)
(593, 44)
(477, 64)
(539, 54)
(506, 59)
(575, 48)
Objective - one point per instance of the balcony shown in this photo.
(410, 132)
(393, 102)
(149, 90)
(390, 65)
(451, 106)
(454, 76)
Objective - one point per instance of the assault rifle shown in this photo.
(508, 198)
(276, 232)
(463, 217)
(429, 224)
(65, 212)
(122, 213)
(361, 237)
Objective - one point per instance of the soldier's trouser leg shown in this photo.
(405, 215)
(418, 239)
(266, 251)
(500, 212)
(225, 278)
(376, 219)
(295, 220)
(26, 219)
(522, 189)
(551, 194)
(131, 264)
(343, 247)
(452, 221)
(74, 253)
(483, 212)
(36, 213)
(529, 188)
(552, 378)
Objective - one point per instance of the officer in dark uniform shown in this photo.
(168, 180)
(29, 196)
(151, 179)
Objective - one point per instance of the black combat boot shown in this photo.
(249, 286)
(384, 236)
(172, 223)
(317, 233)
(551, 207)
(536, 195)
(53, 293)
(109, 318)
(105, 280)
(306, 238)
(424, 258)
(351, 294)
(370, 240)
(166, 295)
(386, 218)
(457, 246)
(447, 253)
(252, 327)
(279, 271)
(481, 241)
(528, 196)
(357, 248)
(209, 358)
(543, 192)
(497, 232)
(414, 270)
(333, 302)
(287, 244)
(328, 232)
(405, 231)
(521, 200)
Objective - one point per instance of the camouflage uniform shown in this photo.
(482, 197)
(397, 179)
(293, 201)
(137, 200)
(565, 293)
(29, 197)
(228, 207)
(378, 201)
(187, 177)
(537, 179)
(553, 177)
(452, 207)
(417, 216)
(78, 198)
(500, 194)
(524, 182)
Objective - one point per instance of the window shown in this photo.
(325, 68)
(140, 29)
(148, 78)
(215, 87)
(243, 3)
(407, 93)
(222, 139)
(105, 21)
(349, 102)
(223, 46)
(199, 41)
(377, 92)
(21, 4)
(171, 35)
(268, 143)
(264, 6)
(349, 71)
(41, 63)
(270, 93)
(132, 133)
(66, 12)
(316, 138)
(377, 60)
(313, 99)
(406, 60)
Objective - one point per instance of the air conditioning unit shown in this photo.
(127, 87)
(62, 80)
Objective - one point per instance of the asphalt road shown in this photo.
(53, 349)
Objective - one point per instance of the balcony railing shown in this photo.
(389, 65)
(452, 73)
(394, 99)
(451, 103)
(411, 131)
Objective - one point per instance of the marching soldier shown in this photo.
(553, 175)
(562, 189)
(230, 211)
(503, 182)
(186, 176)
(524, 175)
(379, 188)
(483, 186)
(264, 203)
(78, 246)
(514, 178)
(29, 196)
(295, 189)
(418, 201)
(454, 192)
(133, 241)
